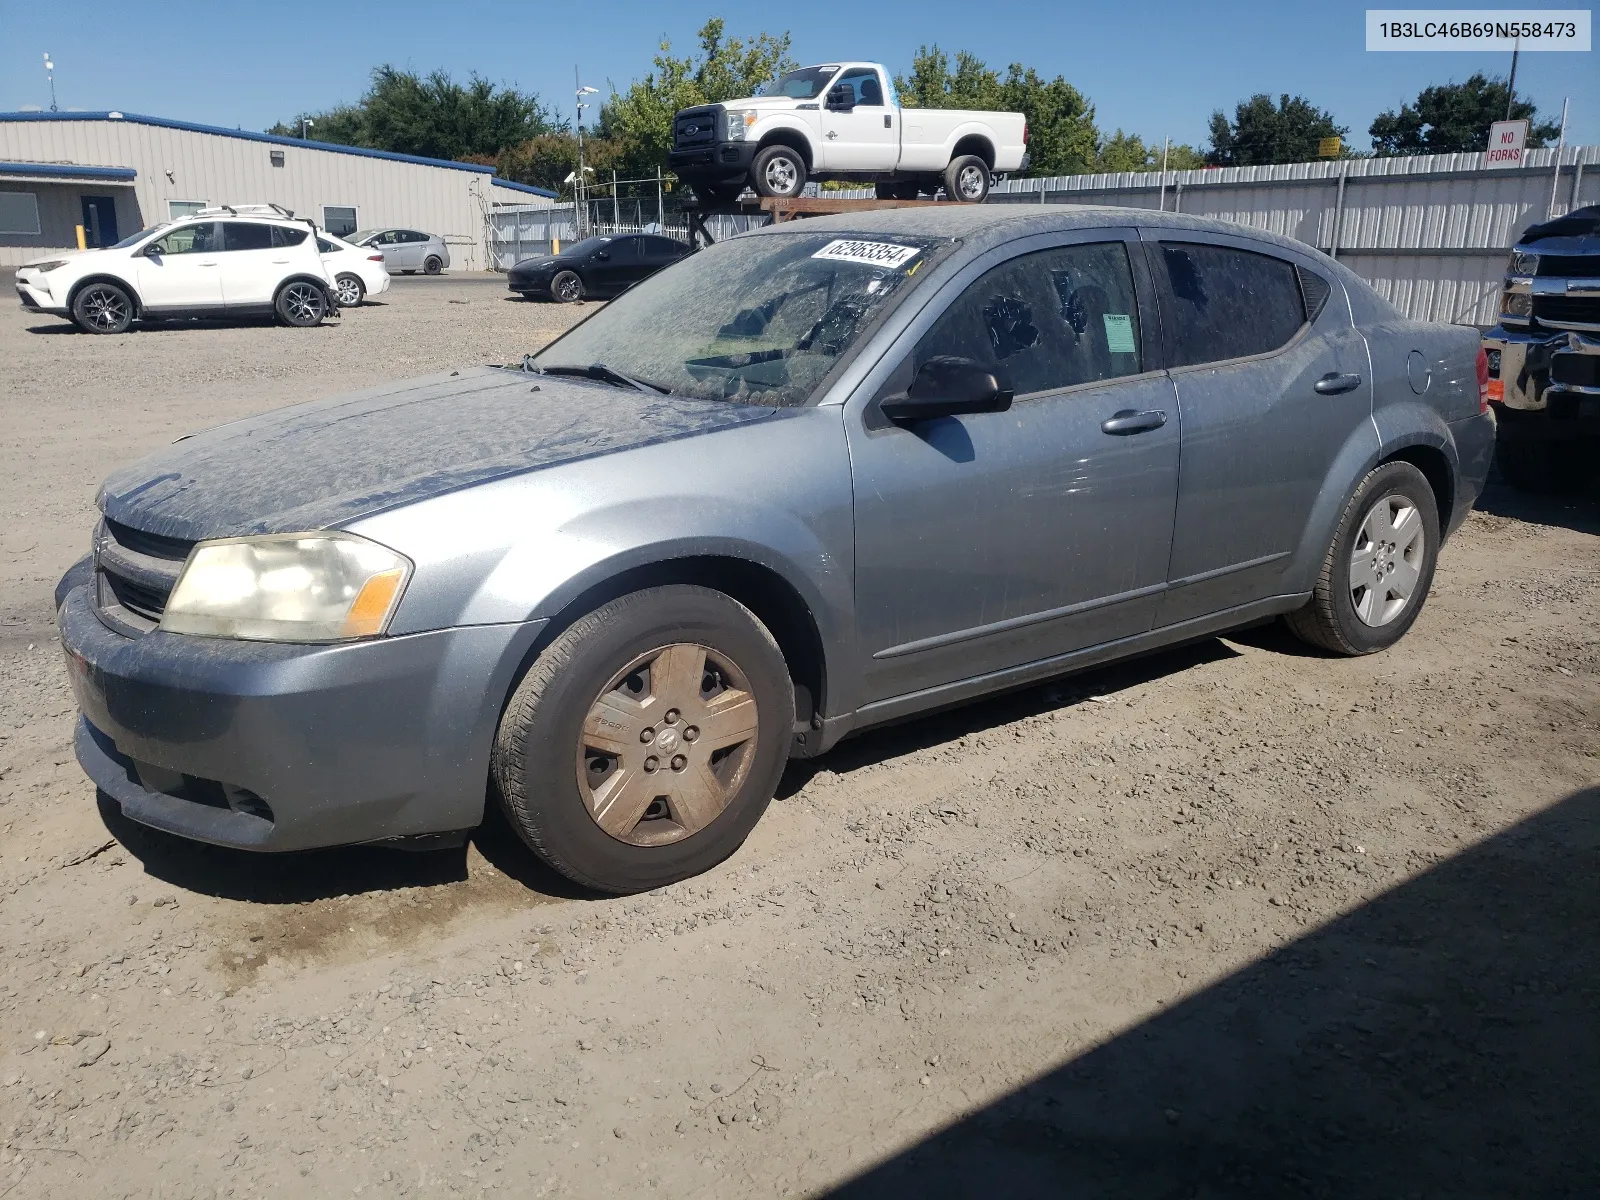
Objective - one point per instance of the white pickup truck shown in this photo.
(841, 121)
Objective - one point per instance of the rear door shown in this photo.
(182, 268)
(411, 244)
(249, 274)
(867, 137)
(1272, 381)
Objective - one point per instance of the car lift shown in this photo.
(779, 210)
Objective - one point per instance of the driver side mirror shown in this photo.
(153, 250)
(946, 386)
(602, 254)
(841, 98)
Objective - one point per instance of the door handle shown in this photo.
(1335, 383)
(888, 122)
(212, 263)
(1129, 421)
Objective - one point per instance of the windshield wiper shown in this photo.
(603, 374)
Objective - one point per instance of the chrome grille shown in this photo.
(1567, 310)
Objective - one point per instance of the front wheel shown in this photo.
(647, 739)
(779, 171)
(1379, 568)
(433, 265)
(967, 180)
(102, 308)
(302, 304)
(350, 290)
(566, 287)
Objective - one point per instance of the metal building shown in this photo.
(116, 173)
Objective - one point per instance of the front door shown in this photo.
(182, 268)
(994, 540)
(866, 137)
(99, 222)
(1273, 382)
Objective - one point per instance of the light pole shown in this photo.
(305, 124)
(577, 121)
(50, 74)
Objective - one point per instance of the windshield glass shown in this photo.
(588, 246)
(755, 320)
(136, 238)
(805, 84)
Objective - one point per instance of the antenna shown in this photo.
(50, 74)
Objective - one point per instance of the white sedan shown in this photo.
(356, 271)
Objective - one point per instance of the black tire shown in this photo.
(896, 189)
(432, 265)
(567, 287)
(350, 289)
(102, 307)
(966, 180)
(537, 747)
(778, 171)
(1532, 461)
(1329, 619)
(301, 303)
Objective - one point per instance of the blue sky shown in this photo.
(1156, 68)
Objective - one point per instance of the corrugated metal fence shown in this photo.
(1430, 233)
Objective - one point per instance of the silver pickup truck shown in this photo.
(1544, 356)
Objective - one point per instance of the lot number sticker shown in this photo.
(873, 254)
(1119, 333)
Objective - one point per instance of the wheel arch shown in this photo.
(1437, 469)
(106, 277)
(974, 143)
(328, 289)
(793, 138)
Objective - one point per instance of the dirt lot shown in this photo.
(1233, 920)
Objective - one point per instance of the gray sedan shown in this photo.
(809, 480)
(405, 251)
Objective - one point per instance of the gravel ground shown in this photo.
(1230, 920)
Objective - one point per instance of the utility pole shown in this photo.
(1166, 148)
(616, 203)
(305, 124)
(661, 212)
(579, 199)
(50, 74)
(1511, 84)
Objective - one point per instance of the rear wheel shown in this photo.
(566, 287)
(301, 304)
(350, 289)
(967, 180)
(102, 308)
(433, 265)
(646, 741)
(1379, 568)
(779, 171)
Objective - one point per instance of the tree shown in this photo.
(639, 120)
(1262, 132)
(1128, 152)
(1062, 137)
(432, 116)
(1454, 118)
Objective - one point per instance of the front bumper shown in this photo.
(1539, 369)
(267, 746)
(36, 297)
(717, 162)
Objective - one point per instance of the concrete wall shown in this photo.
(181, 164)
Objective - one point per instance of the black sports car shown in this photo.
(596, 266)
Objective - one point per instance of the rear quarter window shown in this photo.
(1225, 303)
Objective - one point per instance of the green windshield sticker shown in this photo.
(1119, 333)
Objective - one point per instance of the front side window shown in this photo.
(755, 320)
(246, 235)
(338, 220)
(1045, 321)
(863, 81)
(1228, 303)
(204, 238)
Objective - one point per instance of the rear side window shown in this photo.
(1228, 303)
(1047, 320)
(239, 235)
(288, 235)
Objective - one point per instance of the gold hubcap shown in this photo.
(667, 744)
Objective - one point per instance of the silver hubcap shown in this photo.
(349, 292)
(105, 308)
(781, 174)
(303, 301)
(970, 182)
(569, 287)
(667, 745)
(1386, 563)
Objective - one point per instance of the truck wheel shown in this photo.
(966, 180)
(647, 739)
(779, 171)
(1379, 568)
(1541, 465)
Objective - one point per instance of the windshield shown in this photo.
(134, 239)
(805, 84)
(588, 246)
(755, 320)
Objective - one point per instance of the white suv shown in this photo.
(219, 261)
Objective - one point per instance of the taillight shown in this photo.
(374, 258)
(1024, 131)
(1483, 380)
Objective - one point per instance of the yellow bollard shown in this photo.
(82, 244)
(555, 245)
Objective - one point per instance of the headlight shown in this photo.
(739, 122)
(51, 265)
(298, 587)
(1524, 264)
(1517, 304)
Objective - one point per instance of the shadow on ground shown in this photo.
(1440, 1041)
(1580, 513)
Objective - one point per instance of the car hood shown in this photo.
(534, 264)
(324, 464)
(58, 256)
